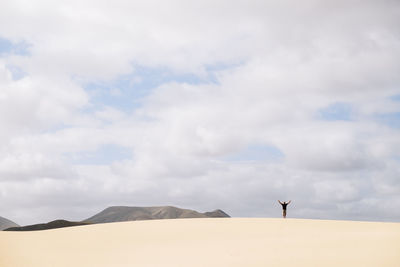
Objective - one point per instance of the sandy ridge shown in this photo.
(207, 242)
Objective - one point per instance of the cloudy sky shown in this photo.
(201, 105)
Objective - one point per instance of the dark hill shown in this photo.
(121, 214)
(46, 226)
(5, 223)
(216, 214)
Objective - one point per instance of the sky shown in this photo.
(201, 105)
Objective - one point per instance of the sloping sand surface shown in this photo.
(207, 242)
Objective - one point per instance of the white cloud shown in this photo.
(276, 65)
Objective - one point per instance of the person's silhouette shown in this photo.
(284, 205)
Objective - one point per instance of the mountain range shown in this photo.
(122, 213)
(6, 223)
(46, 226)
(119, 214)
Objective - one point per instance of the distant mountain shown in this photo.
(117, 214)
(121, 214)
(216, 214)
(5, 223)
(46, 226)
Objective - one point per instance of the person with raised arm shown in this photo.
(284, 205)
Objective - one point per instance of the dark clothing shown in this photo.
(284, 205)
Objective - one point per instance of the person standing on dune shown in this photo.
(284, 205)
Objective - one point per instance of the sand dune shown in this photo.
(206, 242)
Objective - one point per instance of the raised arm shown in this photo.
(289, 202)
(280, 202)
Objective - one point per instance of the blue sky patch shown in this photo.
(212, 69)
(5, 46)
(395, 97)
(8, 47)
(128, 91)
(16, 72)
(106, 154)
(256, 153)
(390, 119)
(338, 111)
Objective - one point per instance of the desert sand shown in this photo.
(206, 242)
